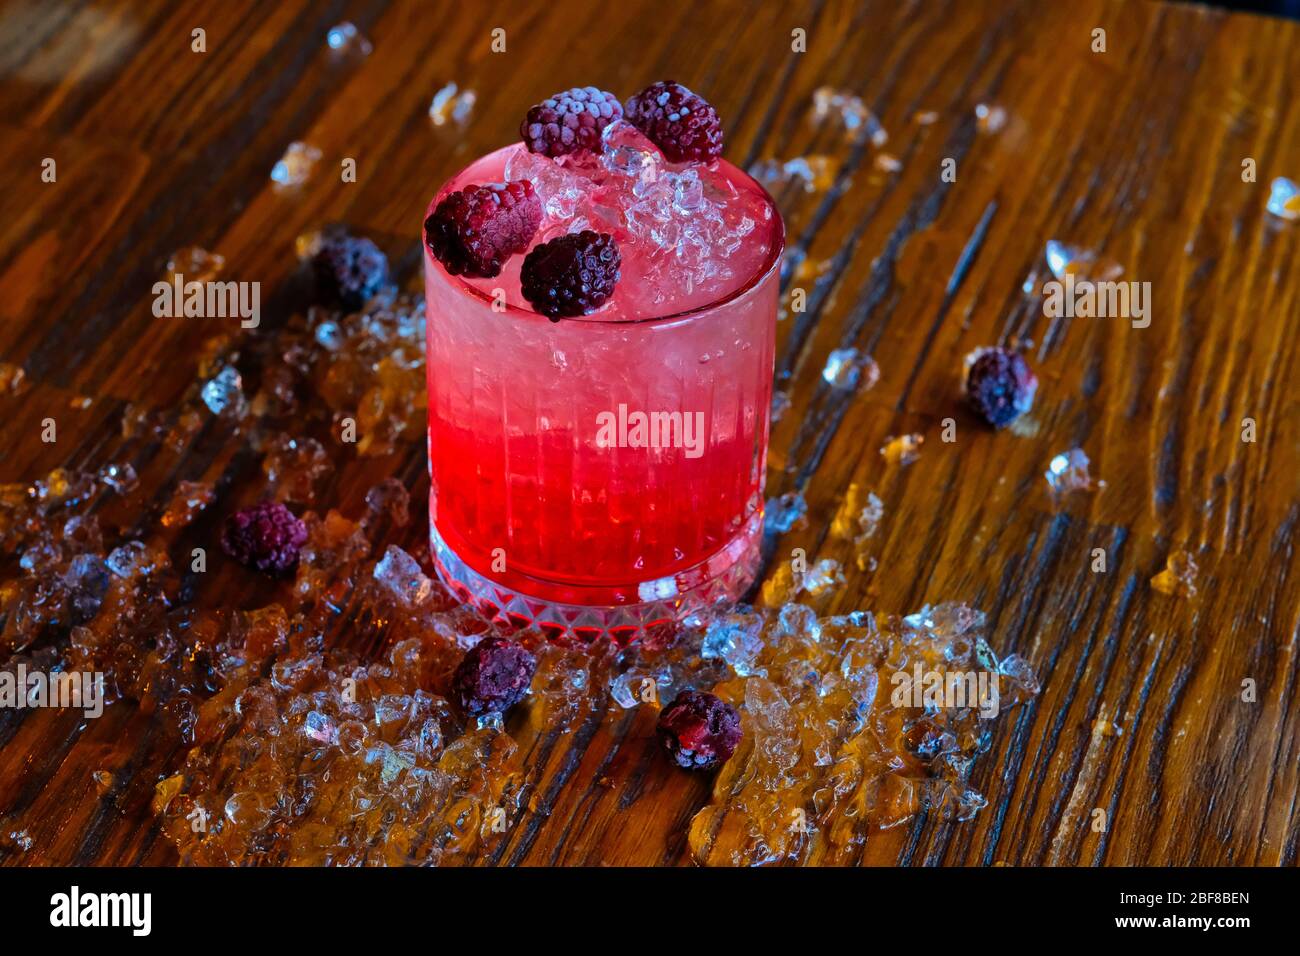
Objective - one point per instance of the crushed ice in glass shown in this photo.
(691, 224)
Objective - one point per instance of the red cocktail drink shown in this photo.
(602, 473)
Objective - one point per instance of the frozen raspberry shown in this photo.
(266, 536)
(473, 231)
(570, 121)
(681, 123)
(349, 270)
(1000, 385)
(699, 731)
(493, 676)
(571, 275)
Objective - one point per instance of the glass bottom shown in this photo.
(724, 576)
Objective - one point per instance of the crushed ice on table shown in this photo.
(823, 576)
(195, 264)
(813, 173)
(451, 104)
(120, 478)
(316, 728)
(780, 405)
(346, 38)
(827, 756)
(295, 166)
(1178, 579)
(1103, 726)
(788, 511)
(990, 119)
(224, 392)
(857, 520)
(847, 107)
(188, 501)
(13, 379)
(1063, 259)
(1284, 199)
(902, 449)
(887, 163)
(294, 467)
(1068, 472)
(849, 369)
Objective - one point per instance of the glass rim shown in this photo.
(760, 276)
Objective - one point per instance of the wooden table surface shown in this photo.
(1136, 153)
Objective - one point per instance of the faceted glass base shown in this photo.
(723, 577)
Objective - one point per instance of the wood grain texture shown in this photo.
(1136, 153)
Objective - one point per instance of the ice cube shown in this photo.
(121, 478)
(402, 576)
(559, 187)
(1178, 579)
(1063, 259)
(12, 379)
(990, 119)
(780, 405)
(846, 369)
(1068, 471)
(902, 449)
(224, 392)
(1284, 199)
(319, 727)
(195, 264)
(295, 166)
(735, 637)
(785, 512)
(823, 576)
(451, 105)
(346, 38)
(130, 560)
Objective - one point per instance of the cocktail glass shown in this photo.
(602, 475)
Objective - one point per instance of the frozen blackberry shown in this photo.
(493, 676)
(475, 230)
(1000, 385)
(681, 123)
(266, 536)
(349, 270)
(570, 121)
(571, 275)
(699, 730)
